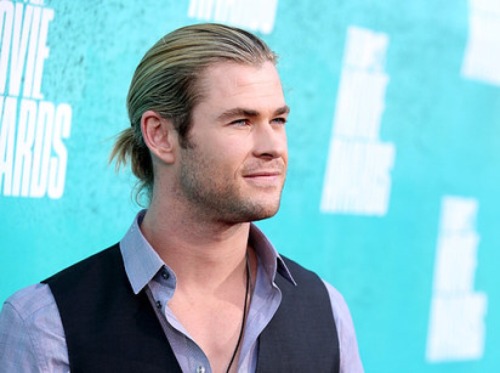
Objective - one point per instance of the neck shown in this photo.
(196, 250)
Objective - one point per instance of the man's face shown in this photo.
(235, 168)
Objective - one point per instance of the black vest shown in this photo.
(109, 329)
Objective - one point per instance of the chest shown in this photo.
(214, 324)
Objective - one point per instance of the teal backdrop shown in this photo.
(394, 137)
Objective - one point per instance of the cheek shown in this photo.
(230, 149)
(220, 160)
(223, 153)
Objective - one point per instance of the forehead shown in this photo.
(233, 84)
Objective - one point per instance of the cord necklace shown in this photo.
(240, 337)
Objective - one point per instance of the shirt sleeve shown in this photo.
(350, 361)
(31, 333)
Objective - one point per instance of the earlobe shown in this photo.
(159, 135)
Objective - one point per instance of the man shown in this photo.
(193, 286)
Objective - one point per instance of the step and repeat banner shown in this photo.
(394, 139)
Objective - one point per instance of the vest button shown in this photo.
(200, 369)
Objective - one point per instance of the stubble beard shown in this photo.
(214, 196)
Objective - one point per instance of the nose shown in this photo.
(270, 141)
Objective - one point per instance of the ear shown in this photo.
(159, 135)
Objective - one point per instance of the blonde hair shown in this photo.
(167, 82)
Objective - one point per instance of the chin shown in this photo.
(264, 212)
(244, 210)
(262, 217)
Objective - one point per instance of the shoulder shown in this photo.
(350, 360)
(339, 305)
(305, 277)
(31, 303)
(31, 333)
(296, 272)
(102, 261)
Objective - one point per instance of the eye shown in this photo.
(280, 121)
(240, 122)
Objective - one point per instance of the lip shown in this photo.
(264, 174)
(264, 178)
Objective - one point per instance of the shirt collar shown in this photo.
(271, 261)
(142, 262)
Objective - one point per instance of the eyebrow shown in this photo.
(237, 112)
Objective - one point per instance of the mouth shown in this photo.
(263, 173)
(264, 178)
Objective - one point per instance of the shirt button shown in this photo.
(200, 369)
(165, 275)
